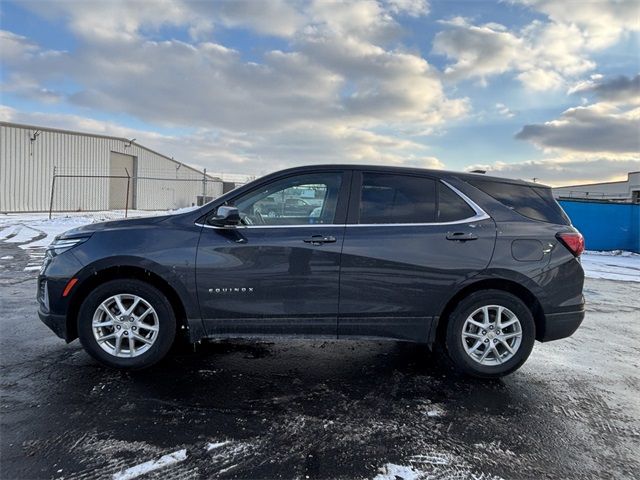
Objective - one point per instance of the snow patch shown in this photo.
(213, 446)
(6, 232)
(617, 265)
(151, 465)
(391, 471)
(434, 464)
(22, 234)
(435, 411)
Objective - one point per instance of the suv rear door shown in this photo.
(410, 241)
(276, 274)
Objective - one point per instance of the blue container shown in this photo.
(606, 226)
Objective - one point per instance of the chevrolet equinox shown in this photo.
(478, 266)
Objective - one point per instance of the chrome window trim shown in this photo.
(480, 215)
(242, 227)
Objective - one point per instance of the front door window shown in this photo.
(300, 200)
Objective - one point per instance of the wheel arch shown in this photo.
(128, 272)
(506, 285)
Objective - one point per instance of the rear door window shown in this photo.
(536, 203)
(392, 198)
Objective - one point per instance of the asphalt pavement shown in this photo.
(317, 409)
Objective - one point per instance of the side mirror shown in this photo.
(226, 217)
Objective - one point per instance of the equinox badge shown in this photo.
(231, 290)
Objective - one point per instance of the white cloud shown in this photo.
(14, 46)
(365, 19)
(505, 111)
(123, 20)
(274, 17)
(334, 72)
(620, 89)
(542, 54)
(478, 51)
(602, 22)
(413, 8)
(541, 80)
(114, 20)
(591, 143)
(598, 128)
(564, 170)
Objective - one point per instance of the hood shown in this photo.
(114, 225)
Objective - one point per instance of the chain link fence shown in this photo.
(90, 193)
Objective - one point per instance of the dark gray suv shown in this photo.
(477, 265)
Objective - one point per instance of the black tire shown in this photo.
(453, 341)
(166, 324)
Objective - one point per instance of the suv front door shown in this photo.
(276, 274)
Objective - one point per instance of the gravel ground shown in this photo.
(380, 410)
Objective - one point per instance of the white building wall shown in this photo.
(621, 191)
(27, 168)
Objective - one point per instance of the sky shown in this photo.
(534, 89)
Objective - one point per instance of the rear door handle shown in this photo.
(461, 236)
(320, 239)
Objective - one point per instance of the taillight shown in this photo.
(574, 241)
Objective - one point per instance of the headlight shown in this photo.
(60, 245)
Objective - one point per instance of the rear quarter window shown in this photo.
(536, 203)
(451, 207)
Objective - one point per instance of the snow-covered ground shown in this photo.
(36, 231)
(616, 265)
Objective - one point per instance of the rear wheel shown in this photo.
(490, 334)
(126, 324)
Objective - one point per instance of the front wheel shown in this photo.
(490, 334)
(126, 324)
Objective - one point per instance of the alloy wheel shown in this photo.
(491, 335)
(125, 325)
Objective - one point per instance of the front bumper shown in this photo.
(57, 323)
(561, 325)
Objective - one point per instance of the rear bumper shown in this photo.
(57, 323)
(561, 325)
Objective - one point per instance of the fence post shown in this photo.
(126, 200)
(53, 186)
(204, 187)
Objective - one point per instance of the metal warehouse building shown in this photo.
(623, 191)
(45, 168)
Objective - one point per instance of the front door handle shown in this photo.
(320, 239)
(461, 236)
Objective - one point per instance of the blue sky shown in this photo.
(523, 88)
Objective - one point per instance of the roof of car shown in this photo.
(412, 170)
